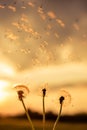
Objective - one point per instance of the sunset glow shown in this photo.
(43, 42)
(6, 69)
(3, 93)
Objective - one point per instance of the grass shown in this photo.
(16, 124)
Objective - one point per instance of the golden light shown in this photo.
(3, 93)
(6, 69)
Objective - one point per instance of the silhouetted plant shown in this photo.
(22, 91)
(44, 94)
(63, 98)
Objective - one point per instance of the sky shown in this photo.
(43, 44)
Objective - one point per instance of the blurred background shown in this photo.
(43, 44)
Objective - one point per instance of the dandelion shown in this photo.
(44, 93)
(22, 92)
(64, 99)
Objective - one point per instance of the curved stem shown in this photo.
(58, 117)
(43, 112)
(27, 114)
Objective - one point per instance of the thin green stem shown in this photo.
(58, 117)
(43, 112)
(27, 114)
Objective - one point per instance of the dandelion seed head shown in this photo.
(43, 90)
(63, 97)
(22, 91)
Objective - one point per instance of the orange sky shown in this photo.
(43, 43)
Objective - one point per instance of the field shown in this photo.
(16, 124)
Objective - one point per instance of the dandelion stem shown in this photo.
(44, 94)
(58, 117)
(27, 114)
(43, 112)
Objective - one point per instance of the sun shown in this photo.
(3, 93)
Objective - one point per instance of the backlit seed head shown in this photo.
(44, 92)
(63, 97)
(22, 91)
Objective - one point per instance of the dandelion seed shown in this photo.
(2, 7)
(60, 22)
(51, 14)
(31, 4)
(12, 8)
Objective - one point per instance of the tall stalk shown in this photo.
(59, 114)
(43, 100)
(58, 117)
(21, 96)
(27, 114)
